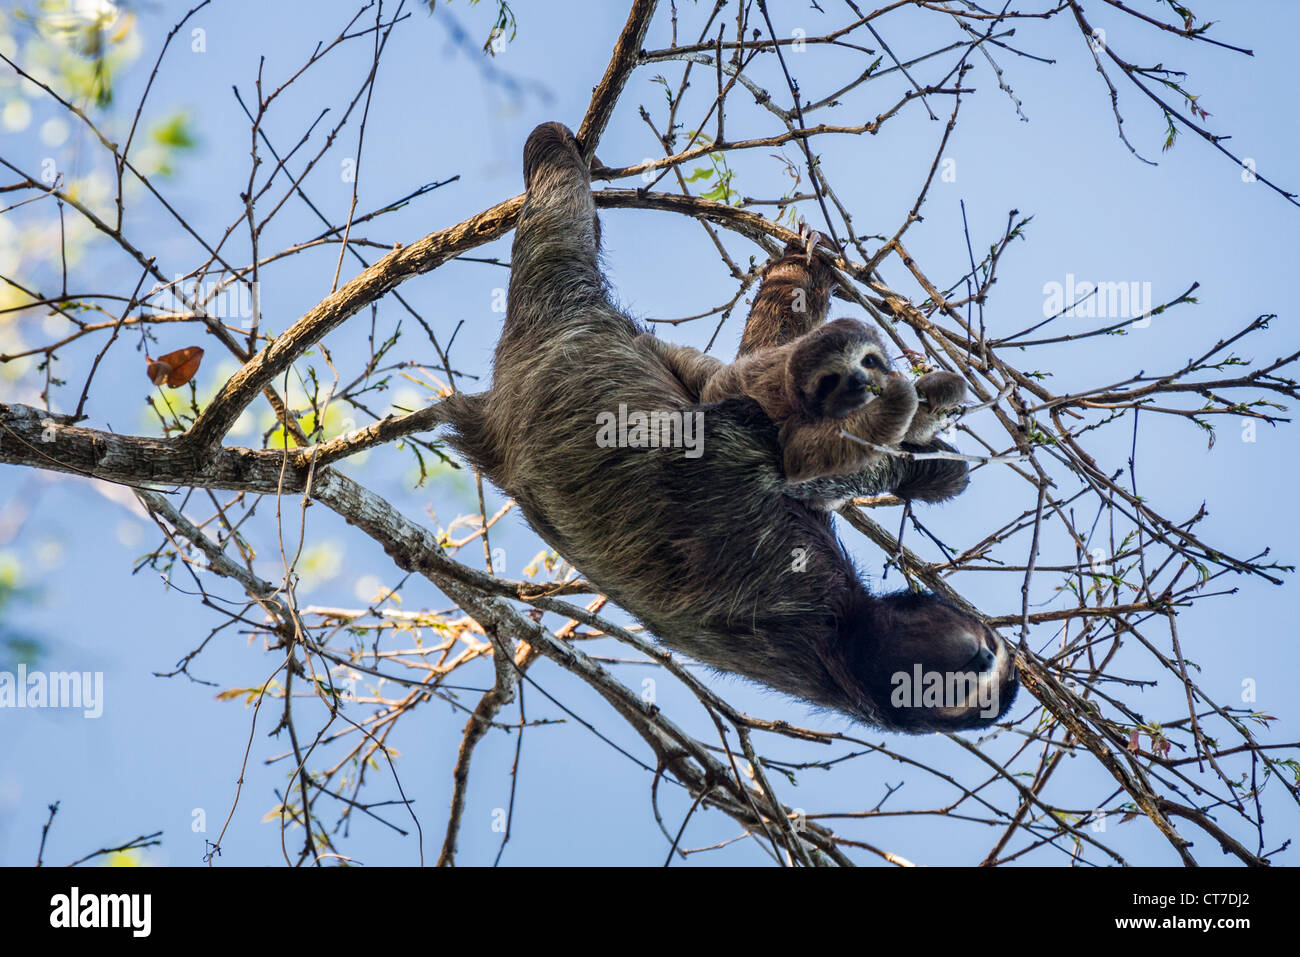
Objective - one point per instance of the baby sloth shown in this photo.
(833, 379)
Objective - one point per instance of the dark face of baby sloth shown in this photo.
(835, 369)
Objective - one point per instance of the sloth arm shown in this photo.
(792, 299)
(693, 368)
(814, 448)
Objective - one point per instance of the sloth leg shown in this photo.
(933, 480)
(941, 395)
(929, 480)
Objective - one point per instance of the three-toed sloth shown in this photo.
(817, 390)
(723, 554)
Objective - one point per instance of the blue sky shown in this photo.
(165, 747)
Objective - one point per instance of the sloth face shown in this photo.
(837, 367)
(929, 667)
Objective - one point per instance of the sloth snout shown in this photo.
(854, 391)
(983, 660)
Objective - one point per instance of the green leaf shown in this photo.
(174, 132)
